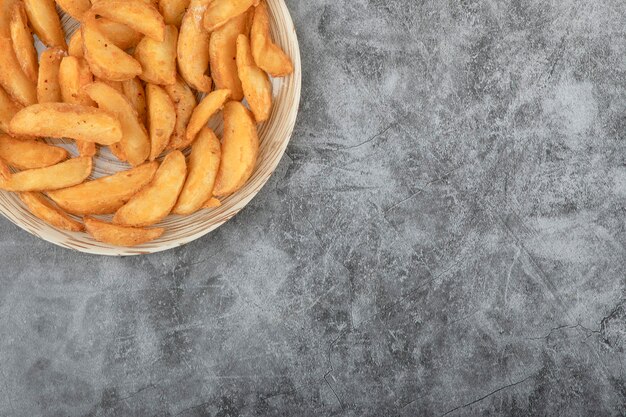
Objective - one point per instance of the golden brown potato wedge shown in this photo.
(136, 94)
(173, 11)
(223, 52)
(48, 88)
(106, 60)
(115, 84)
(12, 78)
(63, 120)
(5, 17)
(193, 47)
(121, 35)
(75, 8)
(257, 87)
(8, 109)
(43, 209)
(184, 101)
(221, 11)
(62, 175)
(212, 203)
(75, 45)
(209, 105)
(104, 195)
(267, 55)
(154, 202)
(120, 235)
(158, 59)
(86, 148)
(74, 74)
(44, 20)
(23, 42)
(136, 14)
(204, 161)
(118, 152)
(240, 149)
(30, 154)
(161, 119)
(135, 141)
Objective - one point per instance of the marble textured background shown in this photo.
(446, 236)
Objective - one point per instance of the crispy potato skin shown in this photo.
(209, 105)
(136, 94)
(223, 55)
(75, 8)
(48, 88)
(104, 195)
(158, 59)
(256, 85)
(161, 119)
(29, 154)
(43, 209)
(63, 120)
(8, 109)
(21, 88)
(221, 11)
(23, 45)
(105, 59)
(267, 55)
(136, 14)
(73, 75)
(62, 175)
(120, 235)
(240, 149)
(184, 101)
(135, 141)
(193, 48)
(43, 18)
(153, 203)
(203, 165)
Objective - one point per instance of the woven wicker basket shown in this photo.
(274, 136)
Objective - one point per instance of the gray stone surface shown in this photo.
(446, 236)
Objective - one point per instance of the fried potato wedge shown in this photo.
(105, 59)
(204, 162)
(43, 209)
(86, 148)
(267, 55)
(120, 235)
(43, 18)
(193, 47)
(74, 74)
(221, 11)
(223, 53)
(155, 201)
(173, 11)
(135, 141)
(63, 120)
(136, 94)
(12, 78)
(117, 151)
(240, 149)
(136, 14)
(75, 8)
(212, 203)
(161, 119)
(158, 59)
(209, 105)
(23, 42)
(121, 35)
(62, 175)
(30, 154)
(115, 84)
(257, 87)
(8, 109)
(104, 195)
(75, 45)
(5, 17)
(48, 88)
(184, 101)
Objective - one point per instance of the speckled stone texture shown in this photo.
(446, 236)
